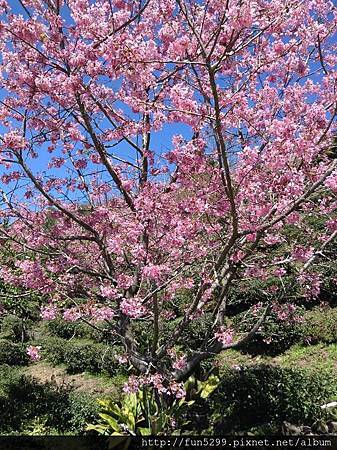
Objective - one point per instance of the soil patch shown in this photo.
(81, 382)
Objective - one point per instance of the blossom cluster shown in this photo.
(158, 382)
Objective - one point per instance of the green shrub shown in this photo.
(274, 336)
(54, 349)
(92, 358)
(15, 328)
(13, 354)
(247, 293)
(252, 396)
(37, 427)
(105, 336)
(192, 336)
(8, 374)
(144, 334)
(57, 407)
(194, 333)
(109, 363)
(83, 408)
(63, 328)
(67, 330)
(320, 325)
(25, 398)
(83, 357)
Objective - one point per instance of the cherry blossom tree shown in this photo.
(155, 149)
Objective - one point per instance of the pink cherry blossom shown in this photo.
(224, 335)
(72, 314)
(101, 313)
(132, 385)
(155, 155)
(302, 254)
(122, 359)
(132, 307)
(154, 272)
(179, 363)
(311, 284)
(34, 352)
(49, 312)
(177, 390)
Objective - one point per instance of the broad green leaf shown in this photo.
(111, 421)
(145, 431)
(205, 388)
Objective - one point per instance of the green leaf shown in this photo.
(144, 431)
(129, 418)
(130, 401)
(206, 388)
(111, 421)
(101, 429)
(114, 409)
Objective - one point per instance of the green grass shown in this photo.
(230, 358)
(319, 357)
(105, 380)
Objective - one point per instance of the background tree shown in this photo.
(153, 153)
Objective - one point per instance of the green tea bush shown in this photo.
(194, 333)
(83, 357)
(274, 337)
(144, 334)
(15, 328)
(102, 333)
(8, 375)
(109, 363)
(25, 399)
(63, 329)
(82, 409)
(13, 354)
(67, 330)
(251, 396)
(58, 407)
(320, 325)
(54, 349)
(92, 358)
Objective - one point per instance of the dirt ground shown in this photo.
(81, 382)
